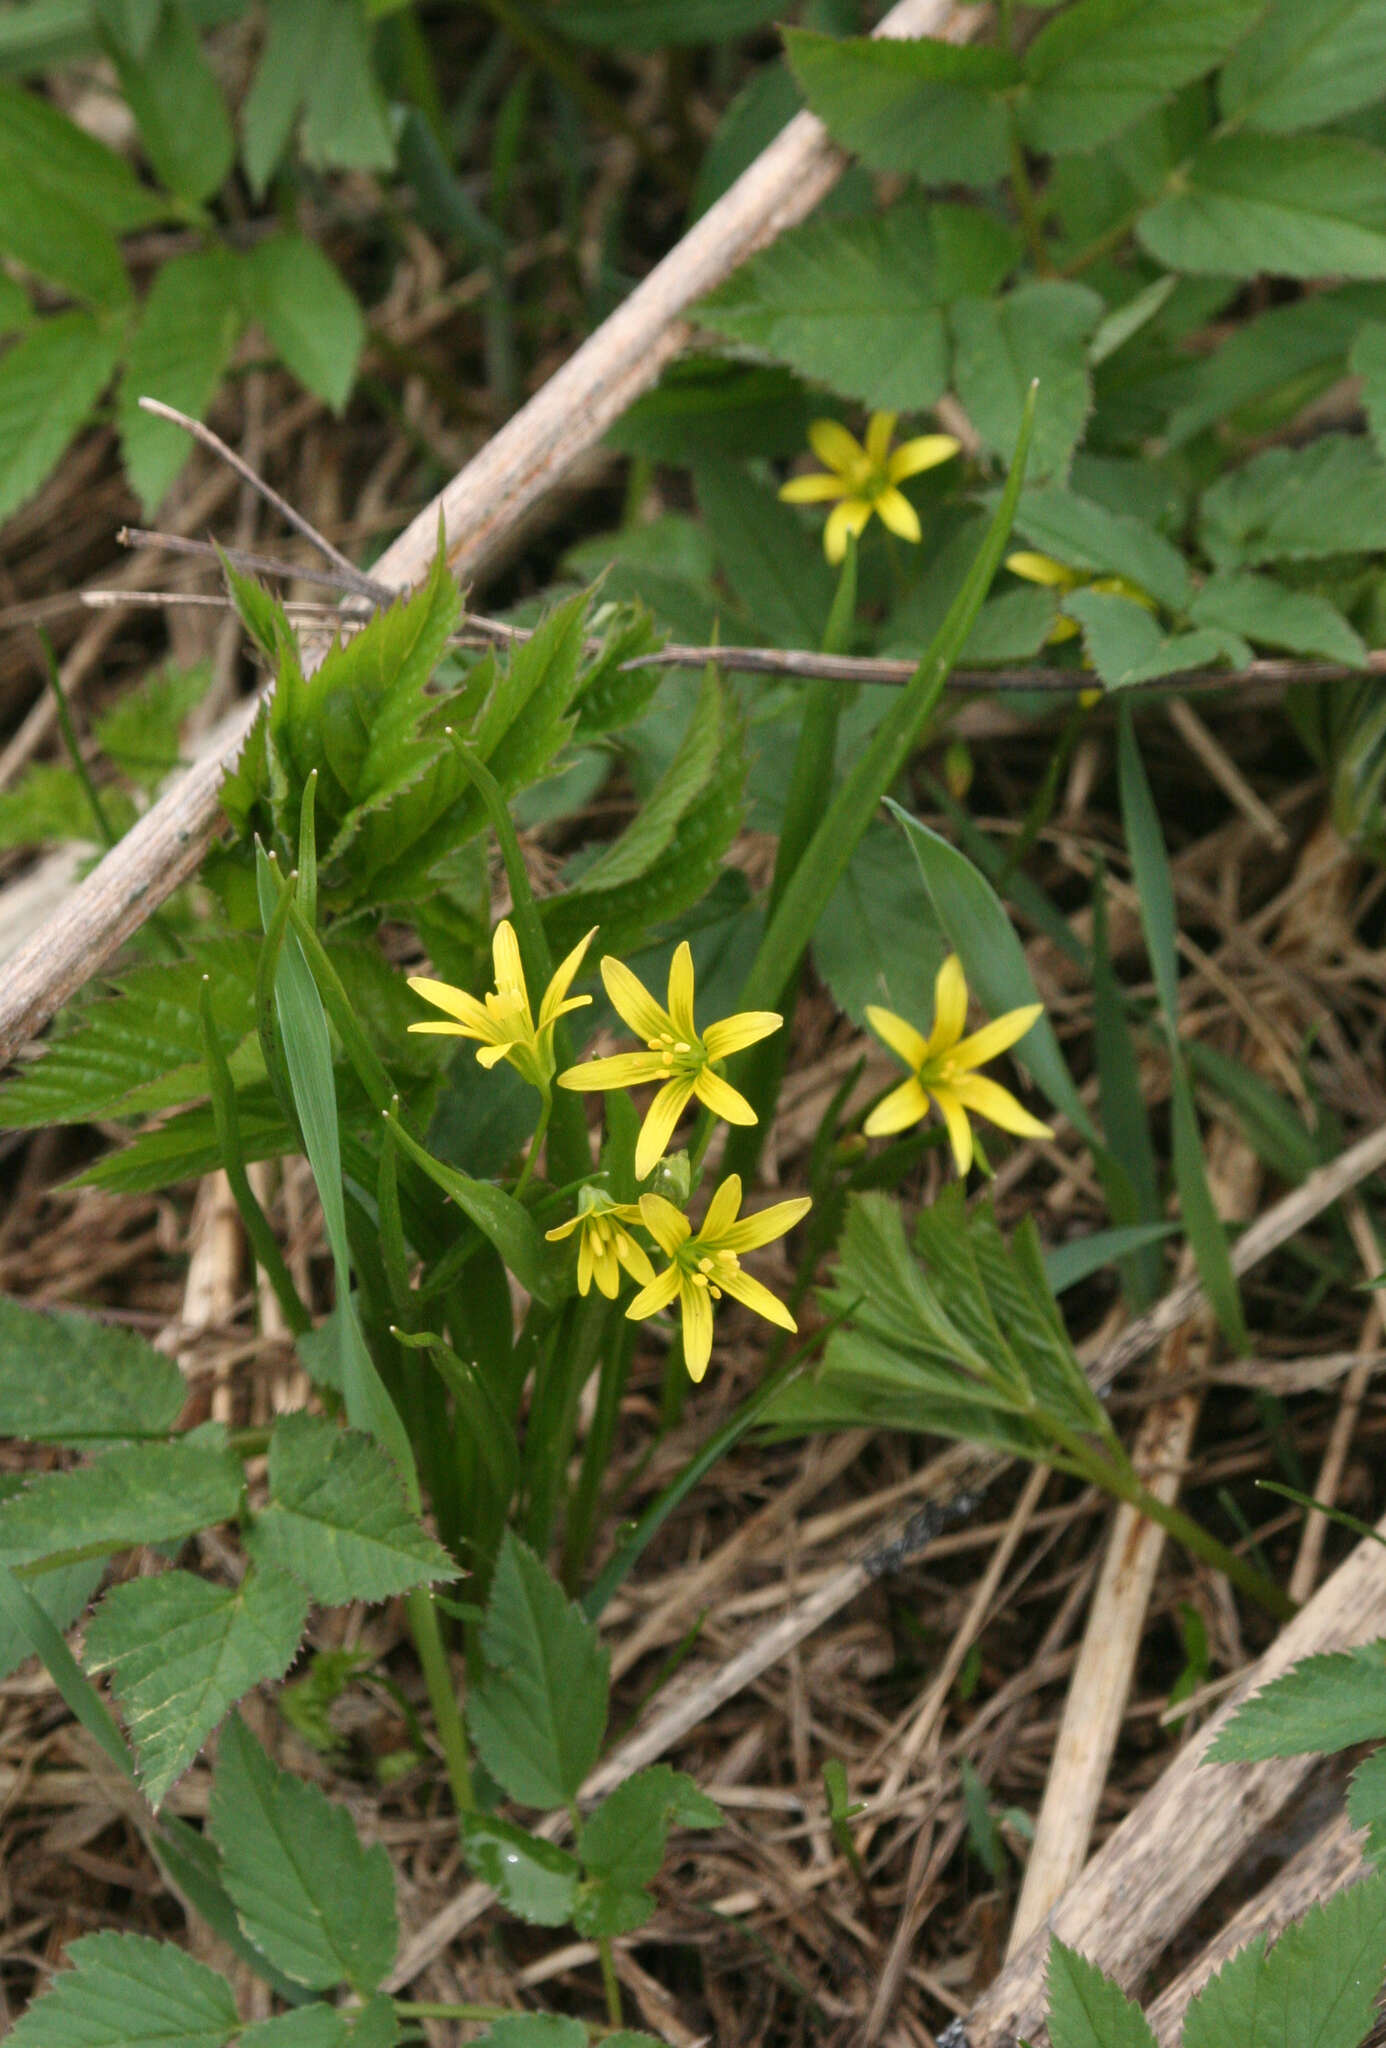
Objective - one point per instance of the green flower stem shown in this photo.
(1026, 205)
(573, 1349)
(536, 1144)
(442, 1696)
(226, 1121)
(610, 1983)
(105, 830)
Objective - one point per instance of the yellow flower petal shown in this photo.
(722, 1210)
(814, 488)
(950, 1007)
(650, 1300)
(837, 449)
(744, 1288)
(634, 1258)
(997, 1104)
(622, 1070)
(668, 1226)
(584, 1266)
(455, 1001)
(696, 1303)
(564, 1229)
(908, 1044)
(905, 1105)
(554, 1004)
(445, 1030)
(1034, 568)
(661, 1120)
(631, 1000)
(491, 1055)
(926, 451)
(1062, 629)
(880, 431)
(994, 1038)
(607, 1273)
(732, 1034)
(959, 1129)
(505, 951)
(722, 1099)
(848, 517)
(763, 1226)
(896, 512)
(681, 992)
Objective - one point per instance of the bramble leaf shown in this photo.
(1317, 1988)
(70, 1379)
(1086, 2009)
(532, 1878)
(1298, 504)
(1001, 346)
(1097, 67)
(1248, 204)
(1306, 62)
(932, 108)
(128, 1990)
(1322, 1704)
(49, 382)
(188, 327)
(137, 1493)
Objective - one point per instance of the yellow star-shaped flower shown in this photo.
(503, 1021)
(605, 1245)
(706, 1264)
(679, 1056)
(943, 1068)
(865, 478)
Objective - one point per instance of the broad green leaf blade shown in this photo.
(188, 327)
(878, 939)
(1086, 2009)
(499, 1217)
(538, 1714)
(1317, 1988)
(142, 730)
(1090, 537)
(1368, 361)
(653, 828)
(1155, 893)
(126, 1991)
(1298, 504)
(336, 1517)
(771, 559)
(931, 108)
(346, 122)
(982, 935)
(173, 94)
(860, 303)
(1066, 1264)
(532, 1878)
(297, 30)
(1099, 66)
(181, 1651)
(49, 383)
(1366, 1805)
(1305, 63)
(622, 1841)
(1040, 332)
(141, 1493)
(69, 1379)
(77, 171)
(1269, 612)
(310, 2026)
(62, 1594)
(26, 1619)
(1126, 645)
(1248, 204)
(1323, 1704)
(310, 1897)
(309, 314)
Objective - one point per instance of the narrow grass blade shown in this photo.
(24, 1614)
(1134, 1197)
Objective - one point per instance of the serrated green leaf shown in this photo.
(1127, 645)
(174, 96)
(769, 557)
(310, 1897)
(1317, 1988)
(1247, 204)
(188, 327)
(69, 1379)
(1368, 361)
(622, 1843)
(37, 140)
(1305, 63)
(346, 123)
(49, 382)
(532, 1878)
(296, 33)
(1086, 2009)
(309, 314)
(126, 1991)
(1277, 350)
(310, 2026)
(538, 1714)
(649, 833)
(931, 108)
(859, 303)
(140, 1493)
(184, 1147)
(181, 1651)
(336, 1517)
(141, 732)
(1101, 65)
(1089, 537)
(1261, 609)
(1323, 1704)
(1366, 1805)
(1297, 504)
(61, 1594)
(1001, 346)
(878, 940)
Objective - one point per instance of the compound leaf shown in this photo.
(1306, 62)
(931, 108)
(137, 1493)
(126, 1991)
(69, 1379)
(1099, 66)
(1247, 204)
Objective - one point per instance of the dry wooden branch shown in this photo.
(478, 508)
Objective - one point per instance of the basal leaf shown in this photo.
(1086, 2009)
(188, 327)
(181, 1651)
(1298, 504)
(128, 1990)
(1100, 65)
(859, 303)
(49, 382)
(931, 108)
(1323, 1704)
(1317, 1988)
(70, 1379)
(1305, 63)
(137, 1493)
(309, 1895)
(532, 1878)
(309, 313)
(1248, 204)
(1001, 346)
(336, 1517)
(539, 1711)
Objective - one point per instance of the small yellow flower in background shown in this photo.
(943, 1068)
(502, 1021)
(706, 1264)
(679, 1056)
(1033, 568)
(605, 1246)
(865, 479)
